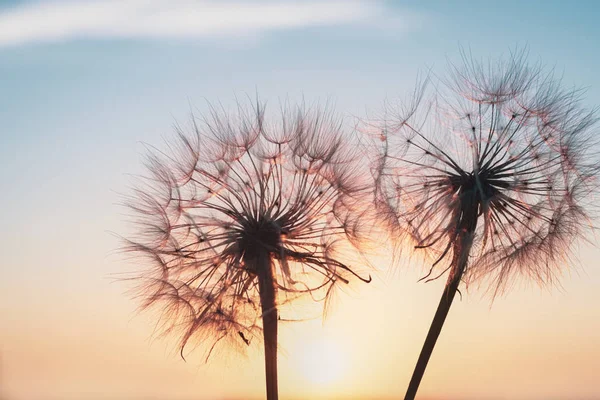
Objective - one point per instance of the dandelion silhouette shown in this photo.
(242, 216)
(492, 179)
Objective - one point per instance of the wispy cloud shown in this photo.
(77, 19)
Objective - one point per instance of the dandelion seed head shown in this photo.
(238, 188)
(499, 150)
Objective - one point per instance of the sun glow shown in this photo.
(322, 361)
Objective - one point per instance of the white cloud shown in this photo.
(65, 20)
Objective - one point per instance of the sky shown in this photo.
(84, 84)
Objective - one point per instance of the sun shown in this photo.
(322, 361)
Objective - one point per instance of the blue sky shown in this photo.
(83, 83)
(89, 93)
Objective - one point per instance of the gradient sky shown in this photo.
(83, 83)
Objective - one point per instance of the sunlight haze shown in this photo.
(85, 84)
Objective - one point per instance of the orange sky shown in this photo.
(83, 341)
(84, 92)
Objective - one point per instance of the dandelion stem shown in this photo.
(432, 335)
(467, 225)
(266, 287)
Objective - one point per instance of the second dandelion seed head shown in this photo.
(500, 150)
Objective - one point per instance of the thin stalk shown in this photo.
(462, 249)
(266, 287)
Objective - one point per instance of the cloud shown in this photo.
(67, 20)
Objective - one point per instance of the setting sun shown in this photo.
(299, 200)
(322, 361)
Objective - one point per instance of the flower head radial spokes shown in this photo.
(492, 178)
(512, 146)
(243, 215)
